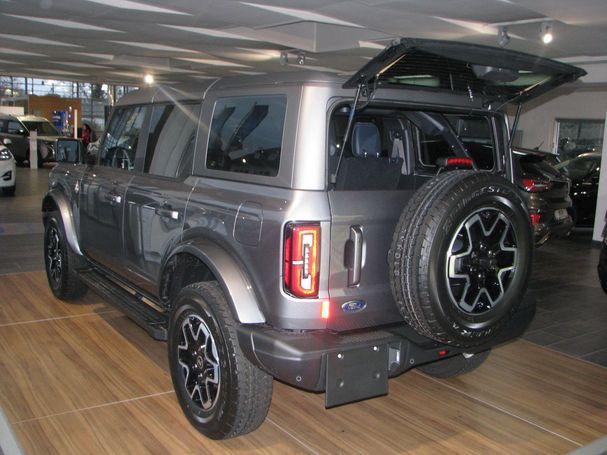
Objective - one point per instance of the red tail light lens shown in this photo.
(535, 185)
(535, 218)
(302, 259)
(455, 161)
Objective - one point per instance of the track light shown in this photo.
(502, 36)
(546, 33)
(148, 79)
(301, 58)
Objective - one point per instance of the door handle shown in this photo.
(166, 211)
(354, 255)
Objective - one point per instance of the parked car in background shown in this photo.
(584, 173)
(7, 171)
(602, 267)
(18, 129)
(546, 191)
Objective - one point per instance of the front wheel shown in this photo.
(59, 262)
(222, 394)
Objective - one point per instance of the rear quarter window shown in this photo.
(246, 134)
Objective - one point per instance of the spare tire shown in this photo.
(461, 257)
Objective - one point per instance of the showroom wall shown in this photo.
(538, 118)
(538, 123)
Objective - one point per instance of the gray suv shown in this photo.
(15, 133)
(327, 233)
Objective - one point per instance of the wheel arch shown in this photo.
(56, 201)
(217, 265)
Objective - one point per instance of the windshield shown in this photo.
(43, 128)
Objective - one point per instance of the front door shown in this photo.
(104, 186)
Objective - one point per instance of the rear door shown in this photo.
(156, 198)
(496, 75)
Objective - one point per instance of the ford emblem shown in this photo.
(353, 306)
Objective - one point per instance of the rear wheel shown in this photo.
(461, 257)
(455, 366)
(221, 393)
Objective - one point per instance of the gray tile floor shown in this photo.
(571, 306)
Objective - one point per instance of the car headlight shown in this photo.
(5, 155)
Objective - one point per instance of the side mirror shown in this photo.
(6, 141)
(68, 150)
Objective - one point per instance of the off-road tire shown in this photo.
(240, 402)
(454, 366)
(65, 283)
(422, 248)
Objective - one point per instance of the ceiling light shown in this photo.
(301, 58)
(546, 33)
(502, 36)
(148, 79)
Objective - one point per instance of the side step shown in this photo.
(152, 321)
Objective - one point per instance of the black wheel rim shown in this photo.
(197, 355)
(53, 255)
(481, 261)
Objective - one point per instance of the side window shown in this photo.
(121, 139)
(171, 140)
(3, 126)
(246, 134)
(15, 127)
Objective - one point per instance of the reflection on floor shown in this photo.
(81, 378)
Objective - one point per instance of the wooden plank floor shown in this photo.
(82, 379)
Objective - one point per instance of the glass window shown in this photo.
(15, 127)
(42, 128)
(473, 132)
(579, 136)
(120, 144)
(246, 134)
(171, 140)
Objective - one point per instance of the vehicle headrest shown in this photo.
(365, 140)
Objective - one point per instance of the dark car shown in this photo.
(17, 130)
(602, 267)
(546, 191)
(584, 174)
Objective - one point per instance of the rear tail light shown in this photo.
(535, 218)
(302, 259)
(535, 185)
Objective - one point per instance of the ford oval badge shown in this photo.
(353, 306)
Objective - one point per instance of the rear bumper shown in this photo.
(354, 366)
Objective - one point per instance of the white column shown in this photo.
(601, 200)
(33, 158)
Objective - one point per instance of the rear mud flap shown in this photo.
(356, 374)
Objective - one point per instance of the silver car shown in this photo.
(15, 133)
(329, 233)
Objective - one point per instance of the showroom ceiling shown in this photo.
(117, 41)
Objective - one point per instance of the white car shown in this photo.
(8, 169)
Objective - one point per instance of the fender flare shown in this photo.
(233, 281)
(63, 207)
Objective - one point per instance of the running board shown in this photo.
(152, 321)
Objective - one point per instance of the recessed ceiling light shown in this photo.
(137, 6)
(214, 62)
(94, 55)
(35, 40)
(303, 15)
(148, 79)
(7, 50)
(64, 23)
(209, 32)
(152, 46)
